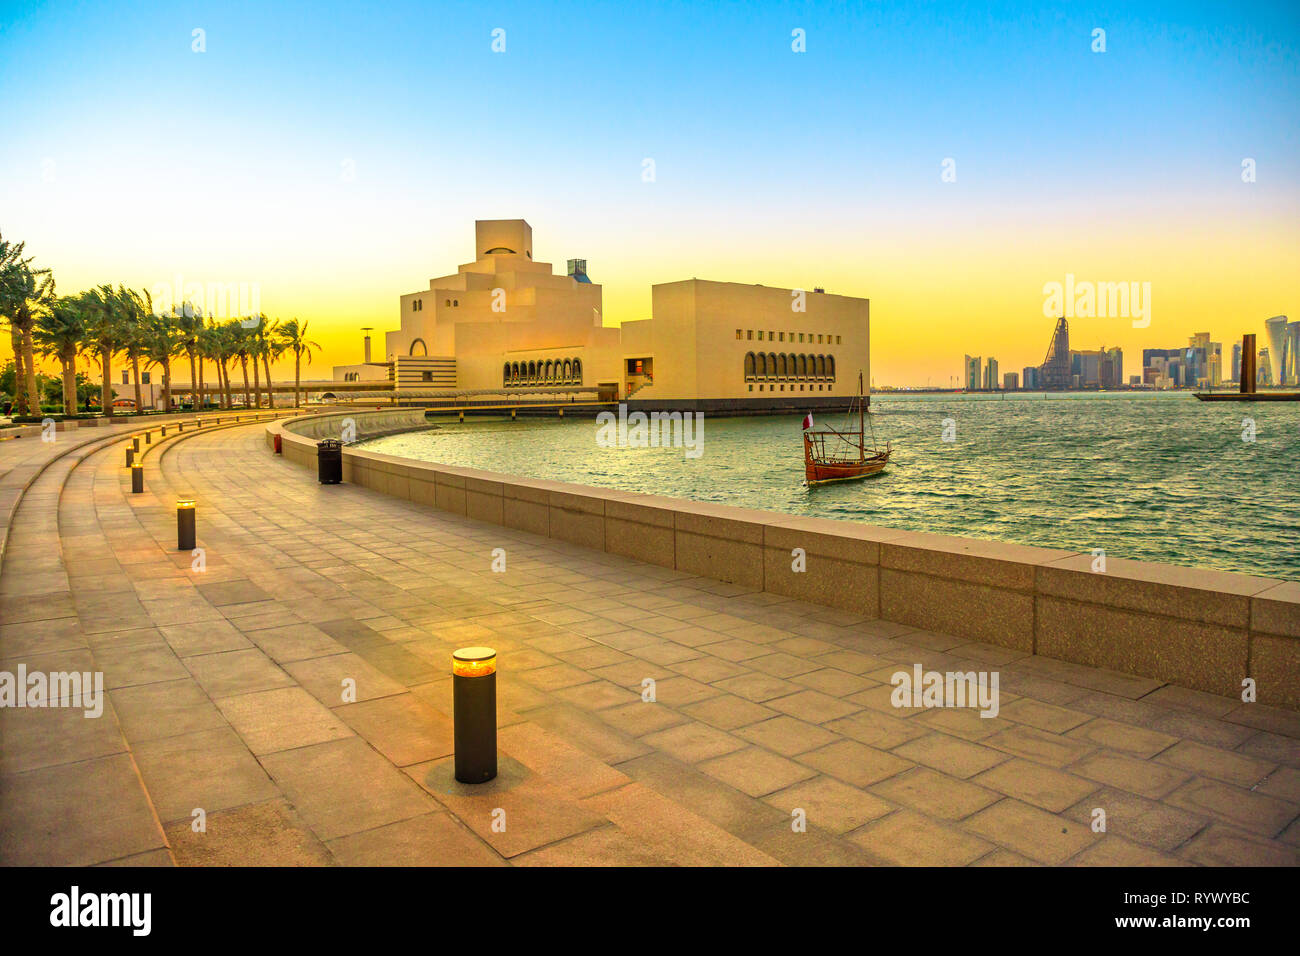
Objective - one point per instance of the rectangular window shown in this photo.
(144, 378)
(771, 336)
(737, 333)
(837, 340)
(760, 335)
(426, 376)
(751, 388)
(126, 377)
(819, 340)
(749, 334)
(782, 336)
(800, 336)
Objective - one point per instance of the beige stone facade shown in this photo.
(508, 322)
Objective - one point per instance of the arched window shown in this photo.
(546, 371)
(830, 366)
(577, 371)
(780, 366)
(423, 349)
(749, 365)
(532, 371)
(771, 364)
(505, 374)
(791, 365)
(821, 366)
(567, 370)
(802, 368)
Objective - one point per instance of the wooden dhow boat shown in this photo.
(831, 454)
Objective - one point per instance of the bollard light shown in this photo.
(474, 710)
(130, 456)
(180, 427)
(185, 524)
(135, 443)
(137, 478)
(164, 432)
(148, 438)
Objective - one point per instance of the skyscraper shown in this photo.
(973, 373)
(1236, 361)
(991, 380)
(1275, 334)
(1291, 363)
(1055, 370)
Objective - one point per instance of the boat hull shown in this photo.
(824, 473)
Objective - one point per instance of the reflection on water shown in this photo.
(1153, 477)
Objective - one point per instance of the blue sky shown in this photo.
(127, 156)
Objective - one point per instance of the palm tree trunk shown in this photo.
(270, 394)
(297, 375)
(29, 360)
(167, 384)
(257, 384)
(106, 393)
(194, 401)
(139, 395)
(243, 363)
(69, 382)
(20, 375)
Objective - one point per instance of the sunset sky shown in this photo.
(336, 156)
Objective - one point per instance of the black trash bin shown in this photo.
(329, 461)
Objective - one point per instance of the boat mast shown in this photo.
(862, 436)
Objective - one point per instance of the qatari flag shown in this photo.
(807, 421)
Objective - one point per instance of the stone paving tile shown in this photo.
(693, 742)
(236, 672)
(434, 839)
(754, 771)
(281, 719)
(1029, 831)
(1144, 777)
(935, 794)
(950, 754)
(1218, 764)
(1043, 787)
(1139, 819)
(829, 804)
(272, 827)
(1243, 808)
(905, 838)
(786, 735)
(76, 814)
(343, 787)
(206, 769)
(855, 763)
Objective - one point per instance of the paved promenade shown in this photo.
(227, 738)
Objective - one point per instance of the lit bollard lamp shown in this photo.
(474, 708)
(137, 478)
(164, 432)
(185, 524)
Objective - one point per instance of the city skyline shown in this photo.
(332, 195)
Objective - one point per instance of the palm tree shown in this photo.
(240, 341)
(138, 308)
(106, 328)
(24, 294)
(164, 340)
(189, 323)
(60, 332)
(293, 336)
(267, 333)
